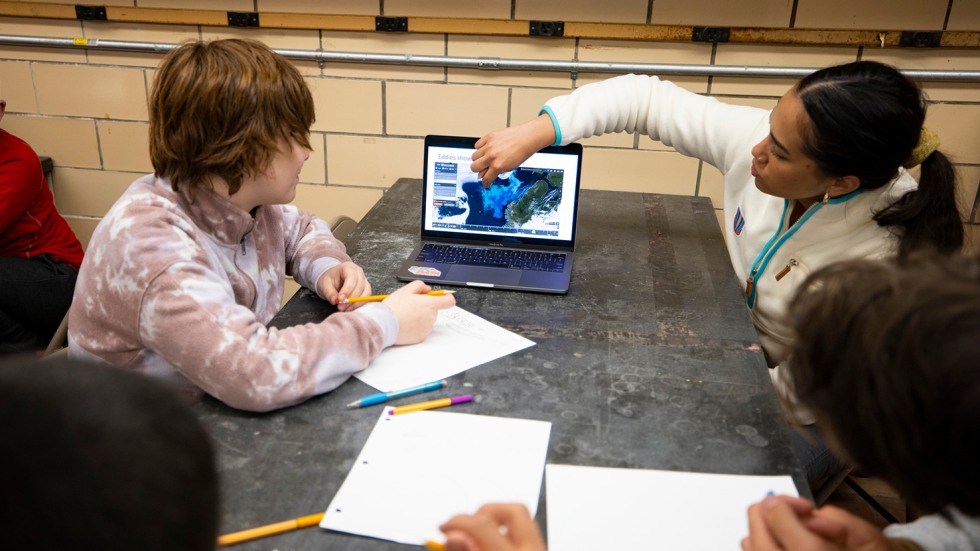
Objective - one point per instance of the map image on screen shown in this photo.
(524, 201)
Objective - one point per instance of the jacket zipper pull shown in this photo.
(748, 285)
(251, 226)
(789, 266)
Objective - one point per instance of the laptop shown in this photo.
(517, 234)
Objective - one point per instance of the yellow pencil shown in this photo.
(435, 546)
(431, 404)
(376, 298)
(270, 529)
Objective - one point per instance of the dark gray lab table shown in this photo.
(650, 361)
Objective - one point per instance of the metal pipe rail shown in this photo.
(487, 63)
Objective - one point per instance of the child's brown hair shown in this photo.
(224, 108)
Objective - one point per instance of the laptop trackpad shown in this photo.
(484, 274)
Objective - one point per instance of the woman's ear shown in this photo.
(843, 185)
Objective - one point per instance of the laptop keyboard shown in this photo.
(499, 258)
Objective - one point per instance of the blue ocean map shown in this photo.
(525, 200)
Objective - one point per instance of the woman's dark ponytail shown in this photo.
(928, 215)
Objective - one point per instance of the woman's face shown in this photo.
(778, 164)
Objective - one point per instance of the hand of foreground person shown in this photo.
(494, 527)
(783, 523)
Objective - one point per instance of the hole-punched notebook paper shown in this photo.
(419, 469)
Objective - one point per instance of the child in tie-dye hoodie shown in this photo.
(184, 272)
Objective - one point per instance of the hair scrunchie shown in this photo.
(928, 142)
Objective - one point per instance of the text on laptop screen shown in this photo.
(533, 201)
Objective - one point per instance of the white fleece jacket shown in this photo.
(756, 224)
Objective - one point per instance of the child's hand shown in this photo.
(495, 527)
(787, 523)
(341, 282)
(416, 311)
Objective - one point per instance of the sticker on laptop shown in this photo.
(424, 271)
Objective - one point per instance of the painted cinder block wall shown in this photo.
(87, 109)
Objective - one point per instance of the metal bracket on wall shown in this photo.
(546, 28)
(243, 19)
(920, 39)
(710, 34)
(391, 24)
(90, 13)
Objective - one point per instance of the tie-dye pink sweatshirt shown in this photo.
(183, 290)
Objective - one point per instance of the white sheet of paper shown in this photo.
(593, 508)
(459, 340)
(417, 470)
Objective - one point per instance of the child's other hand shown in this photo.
(788, 523)
(494, 527)
(416, 311)
(341, 282)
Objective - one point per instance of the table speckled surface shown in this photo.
(650, 361)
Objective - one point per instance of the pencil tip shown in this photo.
(354, 404)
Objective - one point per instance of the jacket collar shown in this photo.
(217, 216)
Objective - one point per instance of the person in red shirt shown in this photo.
(39, 253)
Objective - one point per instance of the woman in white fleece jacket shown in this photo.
(818, 179)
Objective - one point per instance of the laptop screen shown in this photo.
(535, 204)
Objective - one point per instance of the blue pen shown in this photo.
(383, 397)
